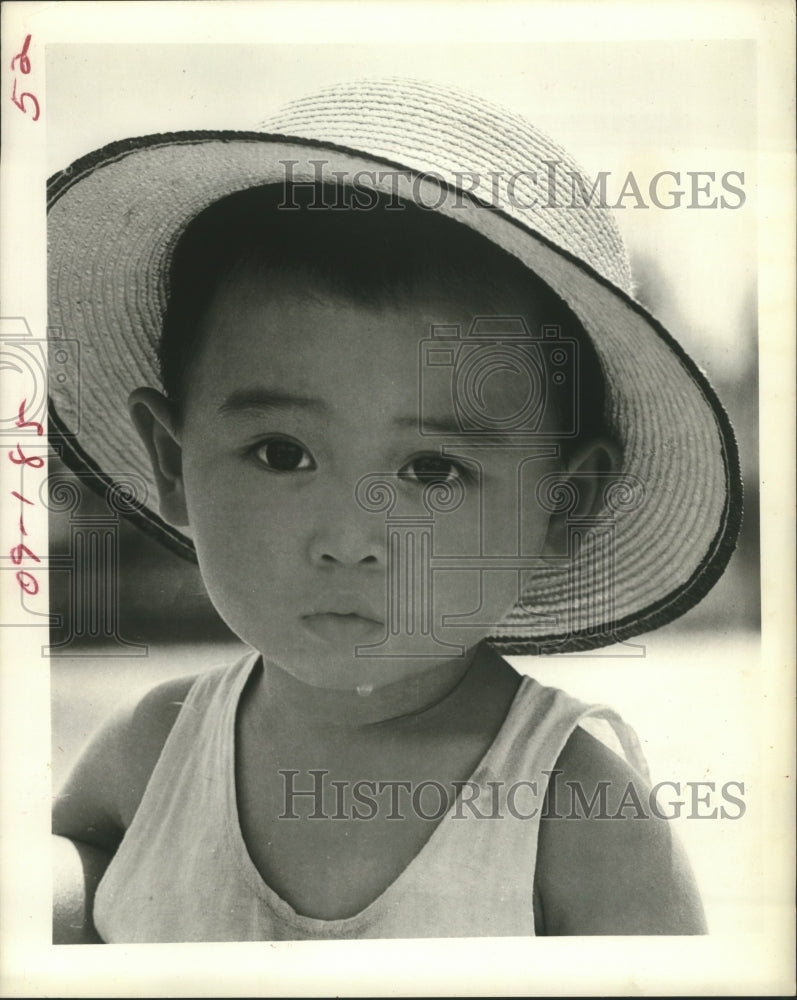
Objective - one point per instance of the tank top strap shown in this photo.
(542, 720)
(175, 847)
(475, 876)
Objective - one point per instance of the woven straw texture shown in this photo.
(116, 215)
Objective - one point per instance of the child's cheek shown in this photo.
(238, 536)
(461, 586)
(475, 549)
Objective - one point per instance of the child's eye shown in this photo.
(283, 455)
(426, 469)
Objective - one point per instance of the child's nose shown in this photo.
(349, 538)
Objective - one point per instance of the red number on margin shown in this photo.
(20, 101)
(34, 461)
(32, 587)
(22, 422)
(22, 56)
(19, 552)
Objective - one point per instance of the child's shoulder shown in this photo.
(105, 786)
(144, 733)
(606, 862)
(133, 738)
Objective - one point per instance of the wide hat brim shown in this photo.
(672, 517)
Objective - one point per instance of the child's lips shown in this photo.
(344, 616)
(344, 606)
(335, 626)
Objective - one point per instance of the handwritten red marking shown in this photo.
(22, 57)
(22, 422)
(28, 582)
(19, 99)
(20, 552)
(34, 461)
(21, 518)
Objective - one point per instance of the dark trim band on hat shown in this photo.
(147, 520)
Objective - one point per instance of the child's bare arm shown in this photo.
(99, 799)
(77, 870)
(88, 823)
(621, 875)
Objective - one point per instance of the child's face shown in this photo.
(294, 398)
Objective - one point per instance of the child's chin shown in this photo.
(363, 673)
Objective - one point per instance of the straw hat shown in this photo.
(116, 214)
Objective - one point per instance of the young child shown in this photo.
(404, 410)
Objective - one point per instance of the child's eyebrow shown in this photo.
(451, 427)
(443, 425)
(263, 399)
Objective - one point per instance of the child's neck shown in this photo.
(324, 708)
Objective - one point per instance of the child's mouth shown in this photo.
(333, 626)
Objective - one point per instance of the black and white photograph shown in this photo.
(398, 508)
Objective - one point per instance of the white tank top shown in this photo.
(183, 873)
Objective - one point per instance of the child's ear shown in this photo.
(586, 469)
(154, 419)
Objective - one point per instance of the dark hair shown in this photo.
(375, 256)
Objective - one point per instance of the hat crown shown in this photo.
(474, 145)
